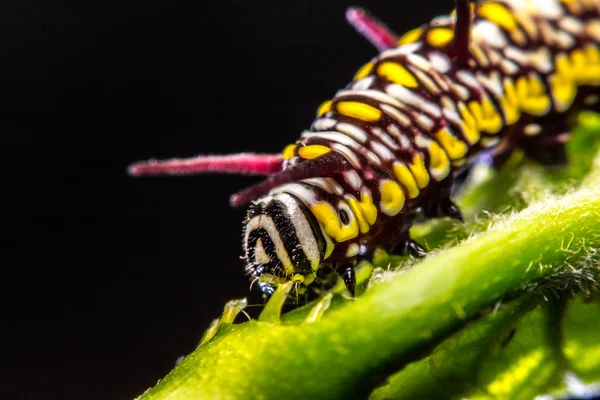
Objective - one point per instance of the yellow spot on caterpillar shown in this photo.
(492, 118)
(329, 220)
(585, 65)
(578, 65)
(419, 171)
(439, 37)
(313, 151)
(486, 116)
(288, 152)
(363, 226)
(562, 65)
(392, 197)
(367, 207)
(358, 110)
(364, 71)
(411, 36)
(469, 125)
(510, 103)
(475, 109)
(498, 14)
(592, 54)
(590, 74)
(532, 96)
(397, 74)
(407, 179)
(455, 147)
(439, 163)
(324, 107)
(562, 85)
(501, 16)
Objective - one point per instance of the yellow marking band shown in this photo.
(367, 207)
(419, 171)
(324, 107)
(438, 161)
(510, 103)
(329, 220)
(392, 197)
(469, 125)
(590, 73)
(592, 53)
(288, 152)
(407, 179)
(362, 222)
(501, 16)
(578, 65)
(313, 151)
(439, 37)
(411, 36)
(498, 14)
(363, 71)
(491, 116)
(455, 147)
(532, 96)
(358, 110)
(487, 117)
(397, 74)
(562, 86)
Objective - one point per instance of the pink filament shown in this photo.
(460, 47)
(371, 28)
(329, 165)
(243, 163)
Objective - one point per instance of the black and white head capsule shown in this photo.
(282, 242)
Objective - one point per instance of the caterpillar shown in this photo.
(489, 78)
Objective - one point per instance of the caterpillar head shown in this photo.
(282, 242)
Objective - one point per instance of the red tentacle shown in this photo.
(243, 163)
(462, 30)
(329, 165)
(371, 28)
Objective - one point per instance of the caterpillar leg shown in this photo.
(443, 207)
(410, 248)
(542, 140)
(348, 275)
(552, 156)
(397, 240)
(545, 141)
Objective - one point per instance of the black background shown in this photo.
(107, 280)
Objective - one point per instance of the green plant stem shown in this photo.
(398, 320)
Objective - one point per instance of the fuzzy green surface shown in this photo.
(440, 327)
